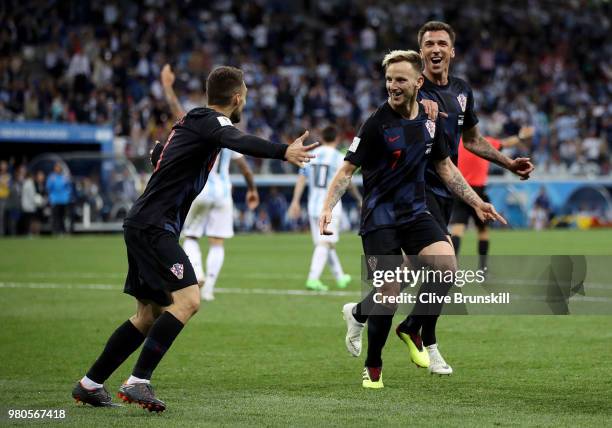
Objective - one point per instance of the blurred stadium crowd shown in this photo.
(311, 62)
(307, 64)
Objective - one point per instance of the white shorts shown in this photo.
(334, 227)
(213, 218)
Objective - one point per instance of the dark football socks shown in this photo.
(160, 338)
(378, 331)
(428, 332)
(365, 307)
(483, 251)
(122, 343)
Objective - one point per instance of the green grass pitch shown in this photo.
(253, 359)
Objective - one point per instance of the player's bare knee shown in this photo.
(191, 305)
(143, 320)
(446, 264)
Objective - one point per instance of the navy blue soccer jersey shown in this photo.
(183, 166)
(393, 153)
(457, 100)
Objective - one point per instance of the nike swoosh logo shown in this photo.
(394, 139)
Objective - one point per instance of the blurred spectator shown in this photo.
(5, 183)
(41, 208)
(262, 223)
(30, 202)
(277, 209)
(59, 189)
(541, 211)
(14, 200)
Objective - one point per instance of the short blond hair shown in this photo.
(411, 57)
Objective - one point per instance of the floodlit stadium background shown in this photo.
(84, 77)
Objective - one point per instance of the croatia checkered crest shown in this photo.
(431, 127)
(177, 270)
(462, 101)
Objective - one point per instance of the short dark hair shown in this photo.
(411, 57)
(329, 133)
(436, 26)
(222, 83)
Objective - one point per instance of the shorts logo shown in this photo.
(177, 270)
(462, 101)
(431, 128)
(354, 144)
(372, 262)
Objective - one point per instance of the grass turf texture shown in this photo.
(252, 359)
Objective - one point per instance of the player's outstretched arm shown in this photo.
(337, 188)
(298, 190)
(296, 153)
(252, 196)
(477, 144)
(453, 179)
(167, 80)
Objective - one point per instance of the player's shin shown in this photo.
(122, 343)
(483, 251)
(161, 336)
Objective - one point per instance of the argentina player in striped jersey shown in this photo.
(317, 176)
(211, 212)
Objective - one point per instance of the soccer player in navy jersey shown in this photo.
(455, 99)
(160, 276)
(393, 148)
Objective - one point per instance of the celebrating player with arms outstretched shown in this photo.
(211, 213)
(160, 276)
(454, 97)
(392, 148)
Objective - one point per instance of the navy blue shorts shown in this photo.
(157, 265)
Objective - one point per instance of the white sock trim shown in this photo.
(133, 379)
(90, 384)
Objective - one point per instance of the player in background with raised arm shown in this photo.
(318, 175)
(160, 276)
(212, 211)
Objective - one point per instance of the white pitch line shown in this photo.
(499, 282)
(263, 291)
(257, 291)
